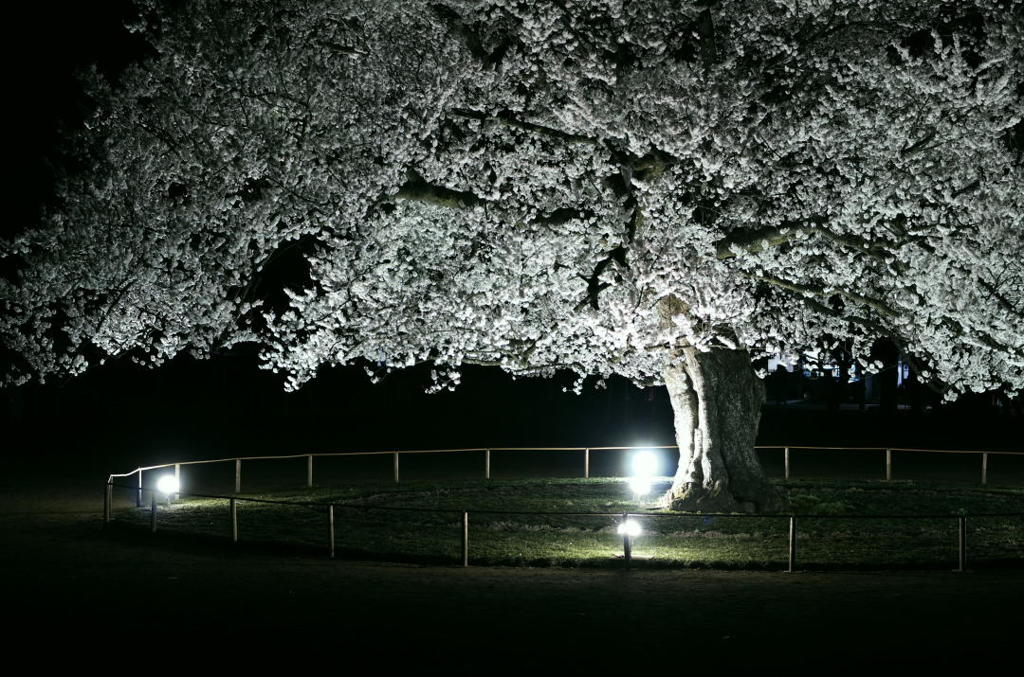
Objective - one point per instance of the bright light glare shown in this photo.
(645, 464)
(630, 528)
(168, 485)
(641, 486)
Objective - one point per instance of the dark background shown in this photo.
(121, 414)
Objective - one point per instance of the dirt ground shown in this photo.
(143, 604)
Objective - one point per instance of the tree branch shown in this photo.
(418, 190)
(754, 241)
(810, 291)
(507, 118)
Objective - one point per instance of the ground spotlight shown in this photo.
(640, 486)
(645, 464)
(168, 485)
(628, 529)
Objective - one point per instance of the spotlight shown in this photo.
(640, 486)
(630, 528)
(169, 487)
(645, 464)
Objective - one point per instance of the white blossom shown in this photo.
(582, 185)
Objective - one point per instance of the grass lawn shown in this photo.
(421, 522)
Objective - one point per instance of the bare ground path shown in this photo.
(85, 595)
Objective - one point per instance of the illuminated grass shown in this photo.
(367, 527)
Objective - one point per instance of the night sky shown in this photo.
(43, 50)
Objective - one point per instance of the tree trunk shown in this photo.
(717, 402)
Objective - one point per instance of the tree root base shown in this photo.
(695, 498)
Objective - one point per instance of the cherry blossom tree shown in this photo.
(660, 190)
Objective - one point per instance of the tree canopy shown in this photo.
(583, 185)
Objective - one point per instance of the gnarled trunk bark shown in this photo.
(717, 398)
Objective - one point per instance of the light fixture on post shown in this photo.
(628, 529)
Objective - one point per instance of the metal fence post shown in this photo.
(792, 544)
(108, 496)
(152, 515)
(138, 493)
(962, 544)
(330, 527)
(786, 455)
(465, 538)
(309, 471)
(888, 464)
(627, 547)
(234, 519)
(238, 475)
(487, 464)
(396, 467)
(177, 481)
(984, 468)
(586, 464)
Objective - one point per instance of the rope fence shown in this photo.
(792, 521)
(487, 451)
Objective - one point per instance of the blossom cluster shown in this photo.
(584, 185)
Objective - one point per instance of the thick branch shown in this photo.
(651, 164)
(1001, 299)
(757, 240)
(918, 145)
(806, 291)
(418, 190)
(507, 118)
(754, 241)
